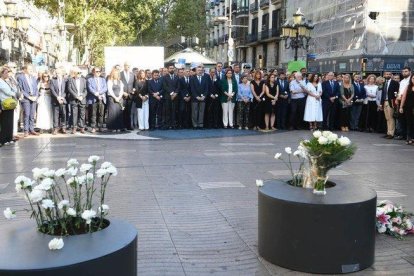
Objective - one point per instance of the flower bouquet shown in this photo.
(63, 202)
(393, 220)
(316, 157)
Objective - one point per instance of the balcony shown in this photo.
(275, 2)
(251, 38)
(254, 7)
(275, 32)
(264, 35)
(264, 4)
(242, 11)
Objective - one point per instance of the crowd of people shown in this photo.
(176, 98)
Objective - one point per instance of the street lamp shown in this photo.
(297, 35)
(48, 38)
(10, 6)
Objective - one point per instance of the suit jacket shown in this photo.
(128, 85)
(72, 91)
(54, 88)
(237, 77)
(170, 85)
(285, 90)
(153, 87)
(392, 88)
(26, 85)
(92, 88)
(214, 86)
(225, 87)
(140, 89)
(359, 92)
(184, 87)
(223, 74)
(197, 89)
(328, 91)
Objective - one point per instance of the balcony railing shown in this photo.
(215, 42)
(275, 32)
(275, 2)
(264, 35)
(254, 7)
(251, 38)
(264, 4)
(242, 11)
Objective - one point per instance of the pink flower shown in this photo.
(383, 218)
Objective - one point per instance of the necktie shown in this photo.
(199, 79)
(358, 87)
(172, 77)
(332, 85)
(281, 84)
(60, 87)
(186, 80)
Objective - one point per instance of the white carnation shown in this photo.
(9, 214)
(36, 195)
(93, 159)
(63, 204)
(60, 172)
(259, 182)
(88, 215)
(72, 162)
(82, 180)
(333, 137)
(71, 212)
(72, 171)
(317, 134)
(89, 177)
(326, 134)
(71, 181)
(18, 187)
(46, 184)
(382, 228)
(39, 173)
(85, 167)
(49, 173)
(48, 204)
(112, 170)
(278, 155)
(101, 173)
(106, 165)
(344, 141)
(288, 150)
(323, 140)
(56, 244)
(103, 209)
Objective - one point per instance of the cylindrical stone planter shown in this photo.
(334, 233)
(108, 252)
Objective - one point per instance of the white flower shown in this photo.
(103, 209)
(82, 180)
(93, 159)
(89, 177)
(112, 170)
(9, 214)
(71, 212)
(85, 167)
(56, 244)
(278, 155)
(100, 173)
(22, 182)
(333, 137)
(344, 141)
(71, 181)
(18, 188)
(259, 182)
(326, 134)
(60, 172)
(382, 229)
(63, 204)
(39, 173)
(317, 134)
(396, 220)
(106, 165)
(88, 215)
(45, 185)
(36, 195)
(288, 150)
(72, 162)
(72, 171)
(48, 204)
(49, 173)
(401, 232)
(408, 224)
(323, 140)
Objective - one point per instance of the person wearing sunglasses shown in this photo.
(44, 119)
(58, 89)
(96, 99)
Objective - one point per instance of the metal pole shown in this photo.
(230, 45)
(296, 45)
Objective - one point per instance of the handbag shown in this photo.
(9, 104)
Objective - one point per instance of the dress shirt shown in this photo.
(403, 85)
(30, 84)
(244, 92)
(295, 86)
(78, 86)
(372, 91)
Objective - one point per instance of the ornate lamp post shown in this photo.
(297, 35)
(48, 38)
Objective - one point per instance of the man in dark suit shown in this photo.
(184, 114)
(155, 100)
(28, 86)
(283, 101)
(58, 89)
(130, 112)
(359, 97)
(220, 74)
(96, 99)
(330, 96)
(212, 116)
(171, 101)
(236, 73)
(389, 94)
(77, 93)
(199, 92)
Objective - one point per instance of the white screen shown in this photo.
(140, 57)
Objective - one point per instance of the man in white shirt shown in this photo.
(297, 103)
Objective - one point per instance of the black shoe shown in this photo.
(389, 137)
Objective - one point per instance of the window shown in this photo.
(255, 23)
(265, 22)
(276, 20)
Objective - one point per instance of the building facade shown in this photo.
(349, 35)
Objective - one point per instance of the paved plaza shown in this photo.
(194, 199)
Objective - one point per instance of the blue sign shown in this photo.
(395, 66)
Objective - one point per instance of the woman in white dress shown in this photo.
(44, 118)
(313, 107)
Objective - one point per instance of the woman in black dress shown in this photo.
(272, 93)
(257, 105)
(407, 107)
(141, 101)
(115, 102)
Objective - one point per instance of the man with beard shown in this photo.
(170, 91)
(184, 114)
(212, 116)
(389, 94)
(155, 100)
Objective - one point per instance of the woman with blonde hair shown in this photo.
(371, 90)
(142, 102)
(115, 102)
(346, 100)
(44, 117)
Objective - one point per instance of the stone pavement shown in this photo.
(194, 201)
